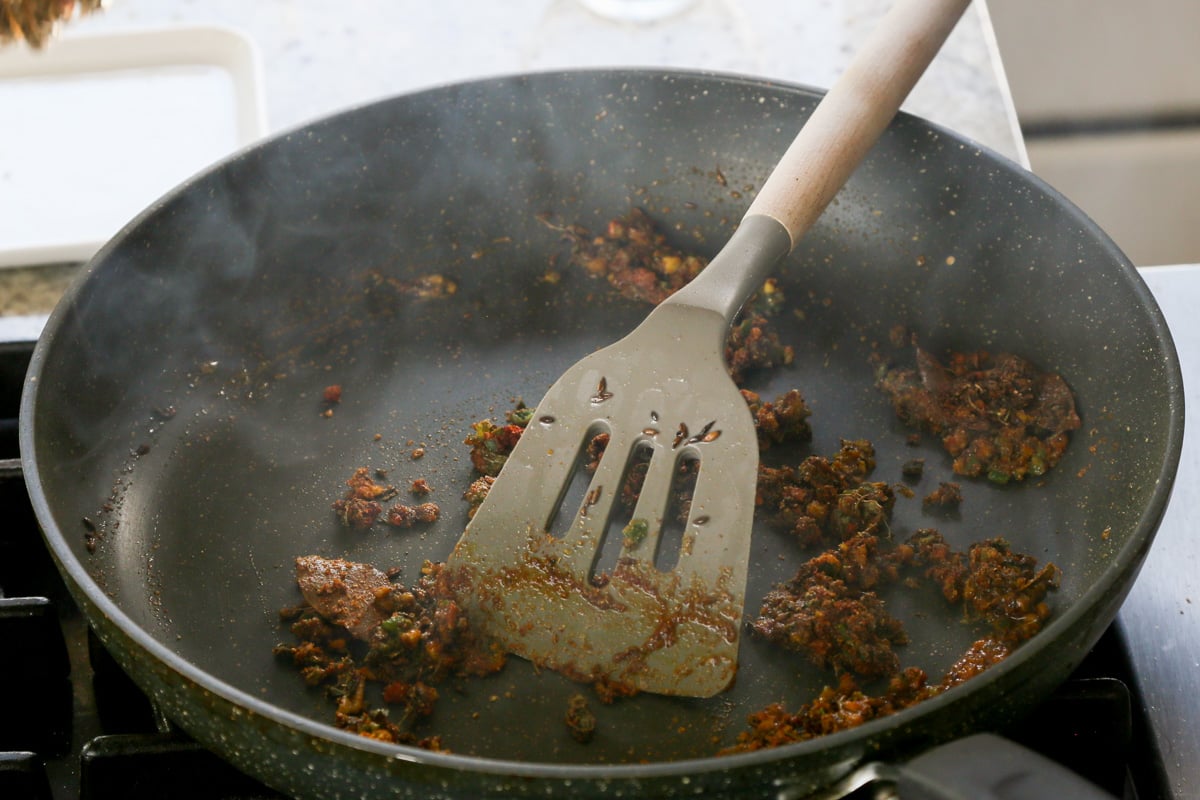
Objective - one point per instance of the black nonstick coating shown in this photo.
(175, 402)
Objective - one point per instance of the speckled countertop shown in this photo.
(320, 57)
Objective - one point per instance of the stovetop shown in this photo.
(74, 726)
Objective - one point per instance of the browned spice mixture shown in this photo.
(846, 706)
(491, 444)
(783, 420)
(817, 613)
(581, 722)
(636, 260)
(826, 500)
(633, 255)
(994, 584)
(362, 505)
(753, 345)
(477, 492)
(947, 495)
(404, 516)
(357, 627)
(836, 708)
(829, 610)
(836, 626)
(997, 416)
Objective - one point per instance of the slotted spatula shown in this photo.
(665, 388)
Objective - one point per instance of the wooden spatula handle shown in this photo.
(855, 111)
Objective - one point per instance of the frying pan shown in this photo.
(174, 402)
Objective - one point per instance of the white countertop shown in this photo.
(321, 57)
(1160, 619)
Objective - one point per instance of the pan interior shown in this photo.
(180, 399)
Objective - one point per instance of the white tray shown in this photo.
(94, 128)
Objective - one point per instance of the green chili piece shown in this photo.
(635, 532)
(519, 416)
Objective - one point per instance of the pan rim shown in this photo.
(1129, 557)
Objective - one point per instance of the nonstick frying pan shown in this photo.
(179, 460)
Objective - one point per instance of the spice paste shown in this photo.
(998, 417)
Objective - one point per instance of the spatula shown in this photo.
(659, 622)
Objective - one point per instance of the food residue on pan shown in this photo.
(830, 612)
(947, 495)
(361, 635)
(997, 416)
(363, 503)
(357, 627)
(581, 721)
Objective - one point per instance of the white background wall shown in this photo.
(1108, 92)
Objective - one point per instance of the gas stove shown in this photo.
(74, 726)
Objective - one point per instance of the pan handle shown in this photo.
(854, 112)
(979, 767)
